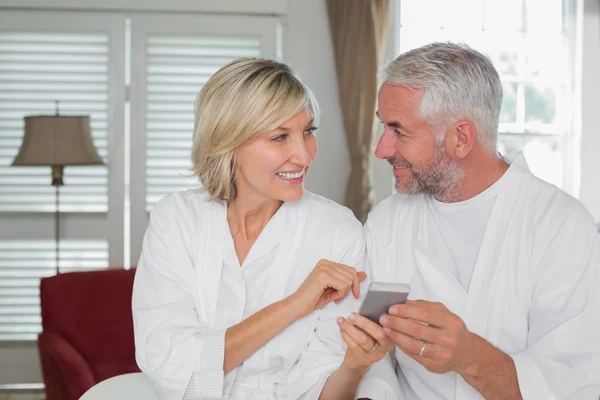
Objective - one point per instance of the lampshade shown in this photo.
(57, 140)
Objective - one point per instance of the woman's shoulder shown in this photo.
(328, 213)
(188, 204)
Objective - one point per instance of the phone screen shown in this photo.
(378, 302)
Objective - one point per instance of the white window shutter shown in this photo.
(23, 263)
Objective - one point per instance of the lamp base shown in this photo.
(57, 175)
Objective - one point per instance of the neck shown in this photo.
(481, 170)
(248, 216)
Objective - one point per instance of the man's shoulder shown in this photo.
(548, 205)
(393, 216)
(393, 209)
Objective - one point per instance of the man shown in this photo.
(504, 268)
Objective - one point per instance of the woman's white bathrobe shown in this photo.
(189, 288)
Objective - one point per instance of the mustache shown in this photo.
(399, 162)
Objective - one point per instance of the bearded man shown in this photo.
(504, 267)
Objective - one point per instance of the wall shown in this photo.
(590, 136)
(217, 6)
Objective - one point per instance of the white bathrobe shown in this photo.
(534, 293)
(189, 288)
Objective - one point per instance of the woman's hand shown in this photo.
(327, 282)
(366, 340)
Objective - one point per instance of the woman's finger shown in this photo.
(365, 341)
(347, 338)
(348, 272)
(354, 276)
(340, 288)
(347, 281)
(371, 328)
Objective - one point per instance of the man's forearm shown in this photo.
(492, 373)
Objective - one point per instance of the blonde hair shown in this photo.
(243, 100)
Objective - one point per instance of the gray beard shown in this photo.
(442, 180)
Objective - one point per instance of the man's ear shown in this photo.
(463, 137)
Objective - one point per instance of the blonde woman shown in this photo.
(240, 285)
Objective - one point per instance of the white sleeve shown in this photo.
(326, 348)
(174, 348)
(380, 382)
(562, 359)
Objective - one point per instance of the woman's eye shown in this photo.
(310, 131)
(280, 138)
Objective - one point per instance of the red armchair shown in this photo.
(87, 334)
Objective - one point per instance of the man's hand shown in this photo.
(440, 341)
(431, 335)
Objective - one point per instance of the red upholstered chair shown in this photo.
(87, 334)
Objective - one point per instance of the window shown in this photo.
(529, 43)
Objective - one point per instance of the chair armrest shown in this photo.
(67, 375)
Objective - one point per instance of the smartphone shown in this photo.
(381, 296)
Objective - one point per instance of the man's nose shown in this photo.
(386, 147)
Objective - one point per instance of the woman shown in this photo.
(234, 296)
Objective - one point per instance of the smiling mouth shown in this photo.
(403, 165)
(291, 175)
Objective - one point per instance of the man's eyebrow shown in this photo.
(393, 124)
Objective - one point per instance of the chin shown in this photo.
(291, 195)
(402, 186)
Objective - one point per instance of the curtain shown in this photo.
(358, 31)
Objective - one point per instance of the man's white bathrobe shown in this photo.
(189, 288)
(534, 292)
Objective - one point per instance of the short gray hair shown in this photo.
(458, 83)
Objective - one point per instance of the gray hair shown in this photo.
(458, 83)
